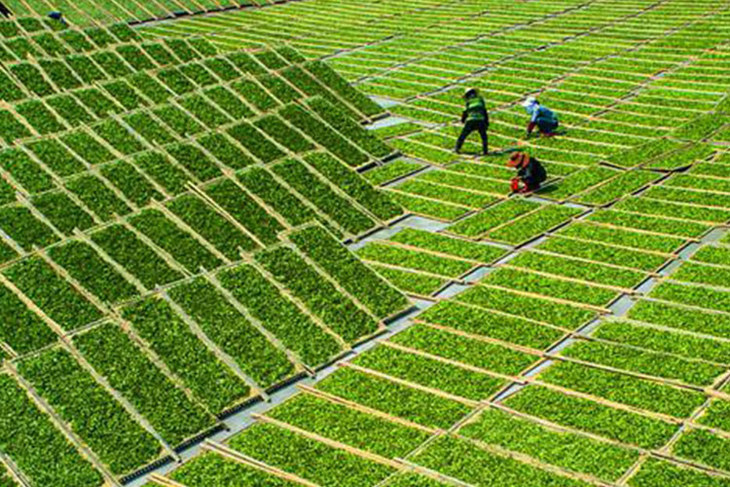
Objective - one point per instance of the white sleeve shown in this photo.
(533, 114)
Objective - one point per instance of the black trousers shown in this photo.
(547, 127)
(471, 126)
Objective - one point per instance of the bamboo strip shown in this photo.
(128, 406)
(220, 210)
(166, 256)
(645, 232)
(177, 221)
(16, 475)
(498, 312)
(147, 351)
(129, 277)
(686, 306)
(396, 189)
(101, 305)
(563, 429)
(591, 338)
(164, 481)
(414, 467)
(673, 218)
(467, 190)
(431, 252)
(639, 375)
(327, 277)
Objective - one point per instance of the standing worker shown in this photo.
(474, 117)
(541, 117)
(529, 172)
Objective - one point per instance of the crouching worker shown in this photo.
(474, 117)
(541, 117)
(530, 173)
(58, 16)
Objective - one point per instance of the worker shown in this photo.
(474, 117)
(55, 15)
(5, 11)
(529, 172)
(541, 117)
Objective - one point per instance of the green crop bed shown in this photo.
(323, 249)
(428, 372)
(119, 440)
(399, 400)
(447, 245)
(278, 314)
(349, 426)
(308, 458)
(166, 406)
(623, 389)
(569, 450)
(413, 259)
(181, 182)
(459, 459)
(337, 310)
(585, 415)
(232, 332)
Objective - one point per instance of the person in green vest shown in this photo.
(541, 117)
(475, 118)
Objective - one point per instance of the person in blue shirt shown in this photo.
(541, 117)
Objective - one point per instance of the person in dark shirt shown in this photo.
(529, 172)
(475, 118)
(58, 16)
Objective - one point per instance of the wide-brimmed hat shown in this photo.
(469, 91)
(518, 159)
(529, 102)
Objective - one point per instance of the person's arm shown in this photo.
(463, 115)
(530, 127)
(533, 122)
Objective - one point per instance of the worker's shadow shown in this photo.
(548, 188)
(504, 151)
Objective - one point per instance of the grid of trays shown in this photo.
(578, 336)
(171, 220)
